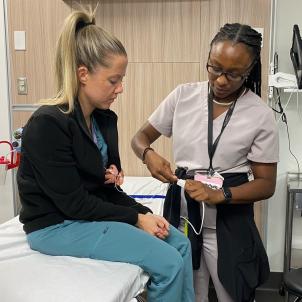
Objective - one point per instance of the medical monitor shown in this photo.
(296, 55)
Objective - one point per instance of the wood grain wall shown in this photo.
(167, 44)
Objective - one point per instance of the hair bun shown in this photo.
(81, 24)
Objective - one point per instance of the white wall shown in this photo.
(6, 191)
(288, 13)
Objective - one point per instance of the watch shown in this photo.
(227, 194)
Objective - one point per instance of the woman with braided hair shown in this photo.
(222, 128)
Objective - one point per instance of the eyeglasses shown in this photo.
(231, 76)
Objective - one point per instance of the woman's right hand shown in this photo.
(153, 224)
(159, 167)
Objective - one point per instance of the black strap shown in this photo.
(172, 207)
(212, 147)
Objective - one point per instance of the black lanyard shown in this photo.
(212, 147)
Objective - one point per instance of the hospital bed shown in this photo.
(29, 276)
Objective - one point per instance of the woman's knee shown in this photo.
(172, 264)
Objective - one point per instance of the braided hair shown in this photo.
(241, 33)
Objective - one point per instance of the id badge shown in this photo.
(214, 181)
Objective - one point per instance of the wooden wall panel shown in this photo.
(42, 24)
(17, 58)
(20, 118)
(159, 31)
(142, 94)
(209, 26)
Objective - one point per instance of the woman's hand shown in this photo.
(112, 175)
(159, 167)
(201, 192)
(153, 224)
(120, 178)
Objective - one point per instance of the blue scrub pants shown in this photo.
(168, 262)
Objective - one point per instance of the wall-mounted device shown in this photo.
(296, 55)
(282, 80)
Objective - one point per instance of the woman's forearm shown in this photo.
(139, 143)
(144, 138)
(252, 191)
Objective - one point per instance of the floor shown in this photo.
(261, 296)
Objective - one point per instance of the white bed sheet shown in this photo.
(29, 276)
(148, 191)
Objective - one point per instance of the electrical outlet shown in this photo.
(271, 88)
(22, 85)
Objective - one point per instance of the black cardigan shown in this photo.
(61, 174)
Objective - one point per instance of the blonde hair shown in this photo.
(81, 42)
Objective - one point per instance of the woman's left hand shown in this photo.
(201, 192)
(113, 176)
(120, 178)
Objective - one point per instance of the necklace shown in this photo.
(222, 103)
(229, 103)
